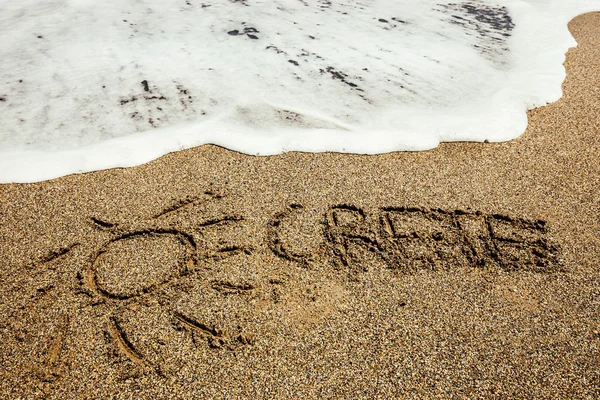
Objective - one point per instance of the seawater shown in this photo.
(87, 85)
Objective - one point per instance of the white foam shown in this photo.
(368, 76)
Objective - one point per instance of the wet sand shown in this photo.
(471, 270)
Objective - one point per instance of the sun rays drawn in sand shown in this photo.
(187, 261)
(101, 286)
(398, 240)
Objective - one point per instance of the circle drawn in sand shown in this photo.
(138, 262)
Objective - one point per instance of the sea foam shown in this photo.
(88, 85)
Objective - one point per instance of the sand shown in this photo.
(468, 271)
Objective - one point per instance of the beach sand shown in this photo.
(468, 271)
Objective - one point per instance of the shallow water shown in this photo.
(87, 85)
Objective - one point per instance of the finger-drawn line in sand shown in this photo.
(185, 203)
(50, 368)
(124, 345)
(197, 326)
(100, 224)
(177, 207)
(224, 252)
(231, 288)
(57, 343)
(276, 244)
(215, 337)
(55, 255)
(220, 221)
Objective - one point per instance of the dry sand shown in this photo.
(212, 274)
